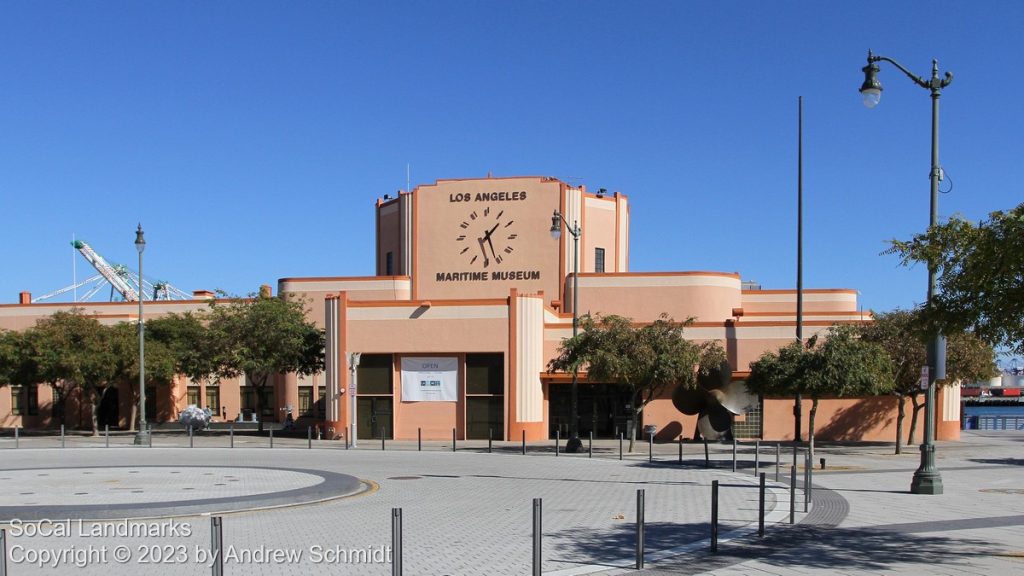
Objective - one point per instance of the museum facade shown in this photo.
(471, 298)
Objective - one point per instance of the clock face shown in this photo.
(486, 237)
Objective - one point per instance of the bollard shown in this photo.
(620, 445)
(490, 436)
(778, 455)
(453, 439)
(650, 447)
(396, 542)
(3, 551)
(309, 437)
(822, 460)
(794, 454)
(524, 442)
(807, 481)
(558, 434)
(419, 439)
(760, 507)
(149, 428)
(106, 435)
(707, 455)
(271, 437)
(757, 456)
(231, 433)
(61, 435)
(217, 545)
(344, 436)
(680, 449)
(714, 516)
(810, 478)
(16, 437)
(382, 437)
(590, 445)
(537, 508)
(792, 494)
(733, 454)
(639, 529)
(190, 444)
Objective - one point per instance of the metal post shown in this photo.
(558, 434)
(760, 507)
(810, 478)
(733, 454)
(757, 456)
(650, 447)
(396, 542)
(707, 455)
(149, 436)
(714, 516)
(271, 437)
(419, 439)
(231, 432)
(382, 437)
(190, 443)
(3, 552)
(217, 545)
(453, 439)
(524, 442)
(778, 455)
(17, 439)
(309, 437)
(590, 445)
(537, 532)
(639, 529)
(106, 435)
(620, 445)
(792, 494)
(807, 480)
(680, 449)
(490, 436)
(61, 435)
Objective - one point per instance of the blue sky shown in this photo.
(251, 139)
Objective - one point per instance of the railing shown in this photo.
(998, 422)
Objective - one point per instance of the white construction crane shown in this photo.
(121, 280)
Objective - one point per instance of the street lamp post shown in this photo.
(574, 444)
(141, 435)
(927, 479)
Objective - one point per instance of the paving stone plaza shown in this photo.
(90, 509)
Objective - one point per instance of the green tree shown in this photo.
(69, 350)
(902, 333)
(260, 337)
(840, 365)
(644, 359)
(121, 342)
(981, 276)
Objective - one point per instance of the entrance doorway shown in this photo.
(603, 408)
(108, 412)
(374, 413)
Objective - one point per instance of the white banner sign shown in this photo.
(430, 379)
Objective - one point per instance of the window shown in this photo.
(248, 398)
(389, 264)
(305, 400)
(485, 400)
(375, 374)
(17, 400)
(213, 399)
(192, 396)
(599, 260)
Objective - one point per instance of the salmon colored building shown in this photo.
(471, 298)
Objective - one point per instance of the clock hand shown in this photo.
(491, 231)
(486, 260)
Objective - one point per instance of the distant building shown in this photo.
(471, 298)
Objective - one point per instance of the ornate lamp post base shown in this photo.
(927, 479)
(574, 445)
(142, 438)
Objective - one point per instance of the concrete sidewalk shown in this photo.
(469, 512)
